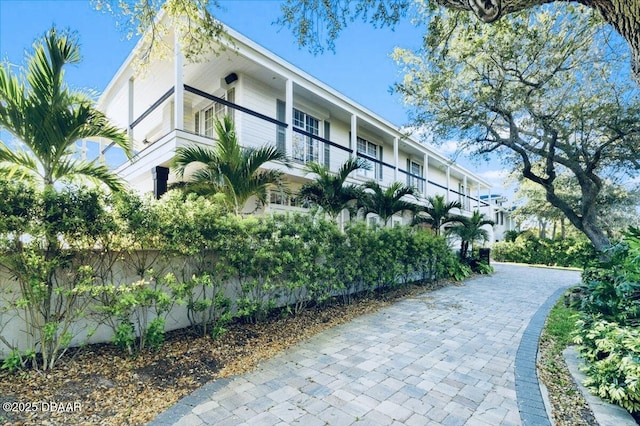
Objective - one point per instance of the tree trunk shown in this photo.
(596, 235)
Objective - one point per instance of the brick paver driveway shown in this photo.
(444, 358)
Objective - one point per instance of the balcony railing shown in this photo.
(258, 129)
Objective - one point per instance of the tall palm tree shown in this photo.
(470, 231)
(437, 212)
(329, 191)
(48, 119)
(387, 202)
(229, 168)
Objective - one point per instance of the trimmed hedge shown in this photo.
(575, 252)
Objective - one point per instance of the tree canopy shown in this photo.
(519, 88)
(616, 206)
(396, 198)
(329, 191)
(318, 23)
(437, 212)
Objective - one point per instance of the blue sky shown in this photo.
(360, 68)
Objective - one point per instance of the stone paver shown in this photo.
(447, 357)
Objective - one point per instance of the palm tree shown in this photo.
(387, 202)
(230, 169)
(328, 191)
(48, 119)
(437, 212)
(470, 231)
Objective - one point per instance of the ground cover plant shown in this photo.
(607, 333)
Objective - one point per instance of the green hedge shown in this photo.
(575, 252)
(64, 249)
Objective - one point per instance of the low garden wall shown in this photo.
(126, 270)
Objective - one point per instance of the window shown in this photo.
(370, 150)
(306, 148)
(415, 173)
(463, 196)
(209, 121)
(205, 118)
(282, 199)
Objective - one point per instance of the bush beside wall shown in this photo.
(79, 266)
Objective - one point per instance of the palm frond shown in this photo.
(70, 169)
(184, 156)
(49, 119)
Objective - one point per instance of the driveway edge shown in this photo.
(530, 403)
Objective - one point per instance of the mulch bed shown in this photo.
(98, 384)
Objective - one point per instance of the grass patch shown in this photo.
(568, 405)
(561, 323)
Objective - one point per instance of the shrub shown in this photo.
(125, 261)
(43, 252)
(527, 248)
(608, 332)
(612, 355)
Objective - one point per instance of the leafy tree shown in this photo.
(616, 206)
(437, 212)
(517, 88)
(329, 191)
(318, 23)
(534, 209)
(192, 19)
(387, 202)
(622, 15)
(471, 231)
(229, 168)
(49, 119)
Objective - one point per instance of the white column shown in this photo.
(478, 196)
(101, 152)
(448, 182)
(130, 116)
(425, 172)
(490, 213)
(178, 83)
(288, 116)
(354, 133)
(465, 199)
(396, 158)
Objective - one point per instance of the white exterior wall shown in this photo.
(262, 80)
(261, 98)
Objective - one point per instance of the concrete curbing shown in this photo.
(604, 412)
